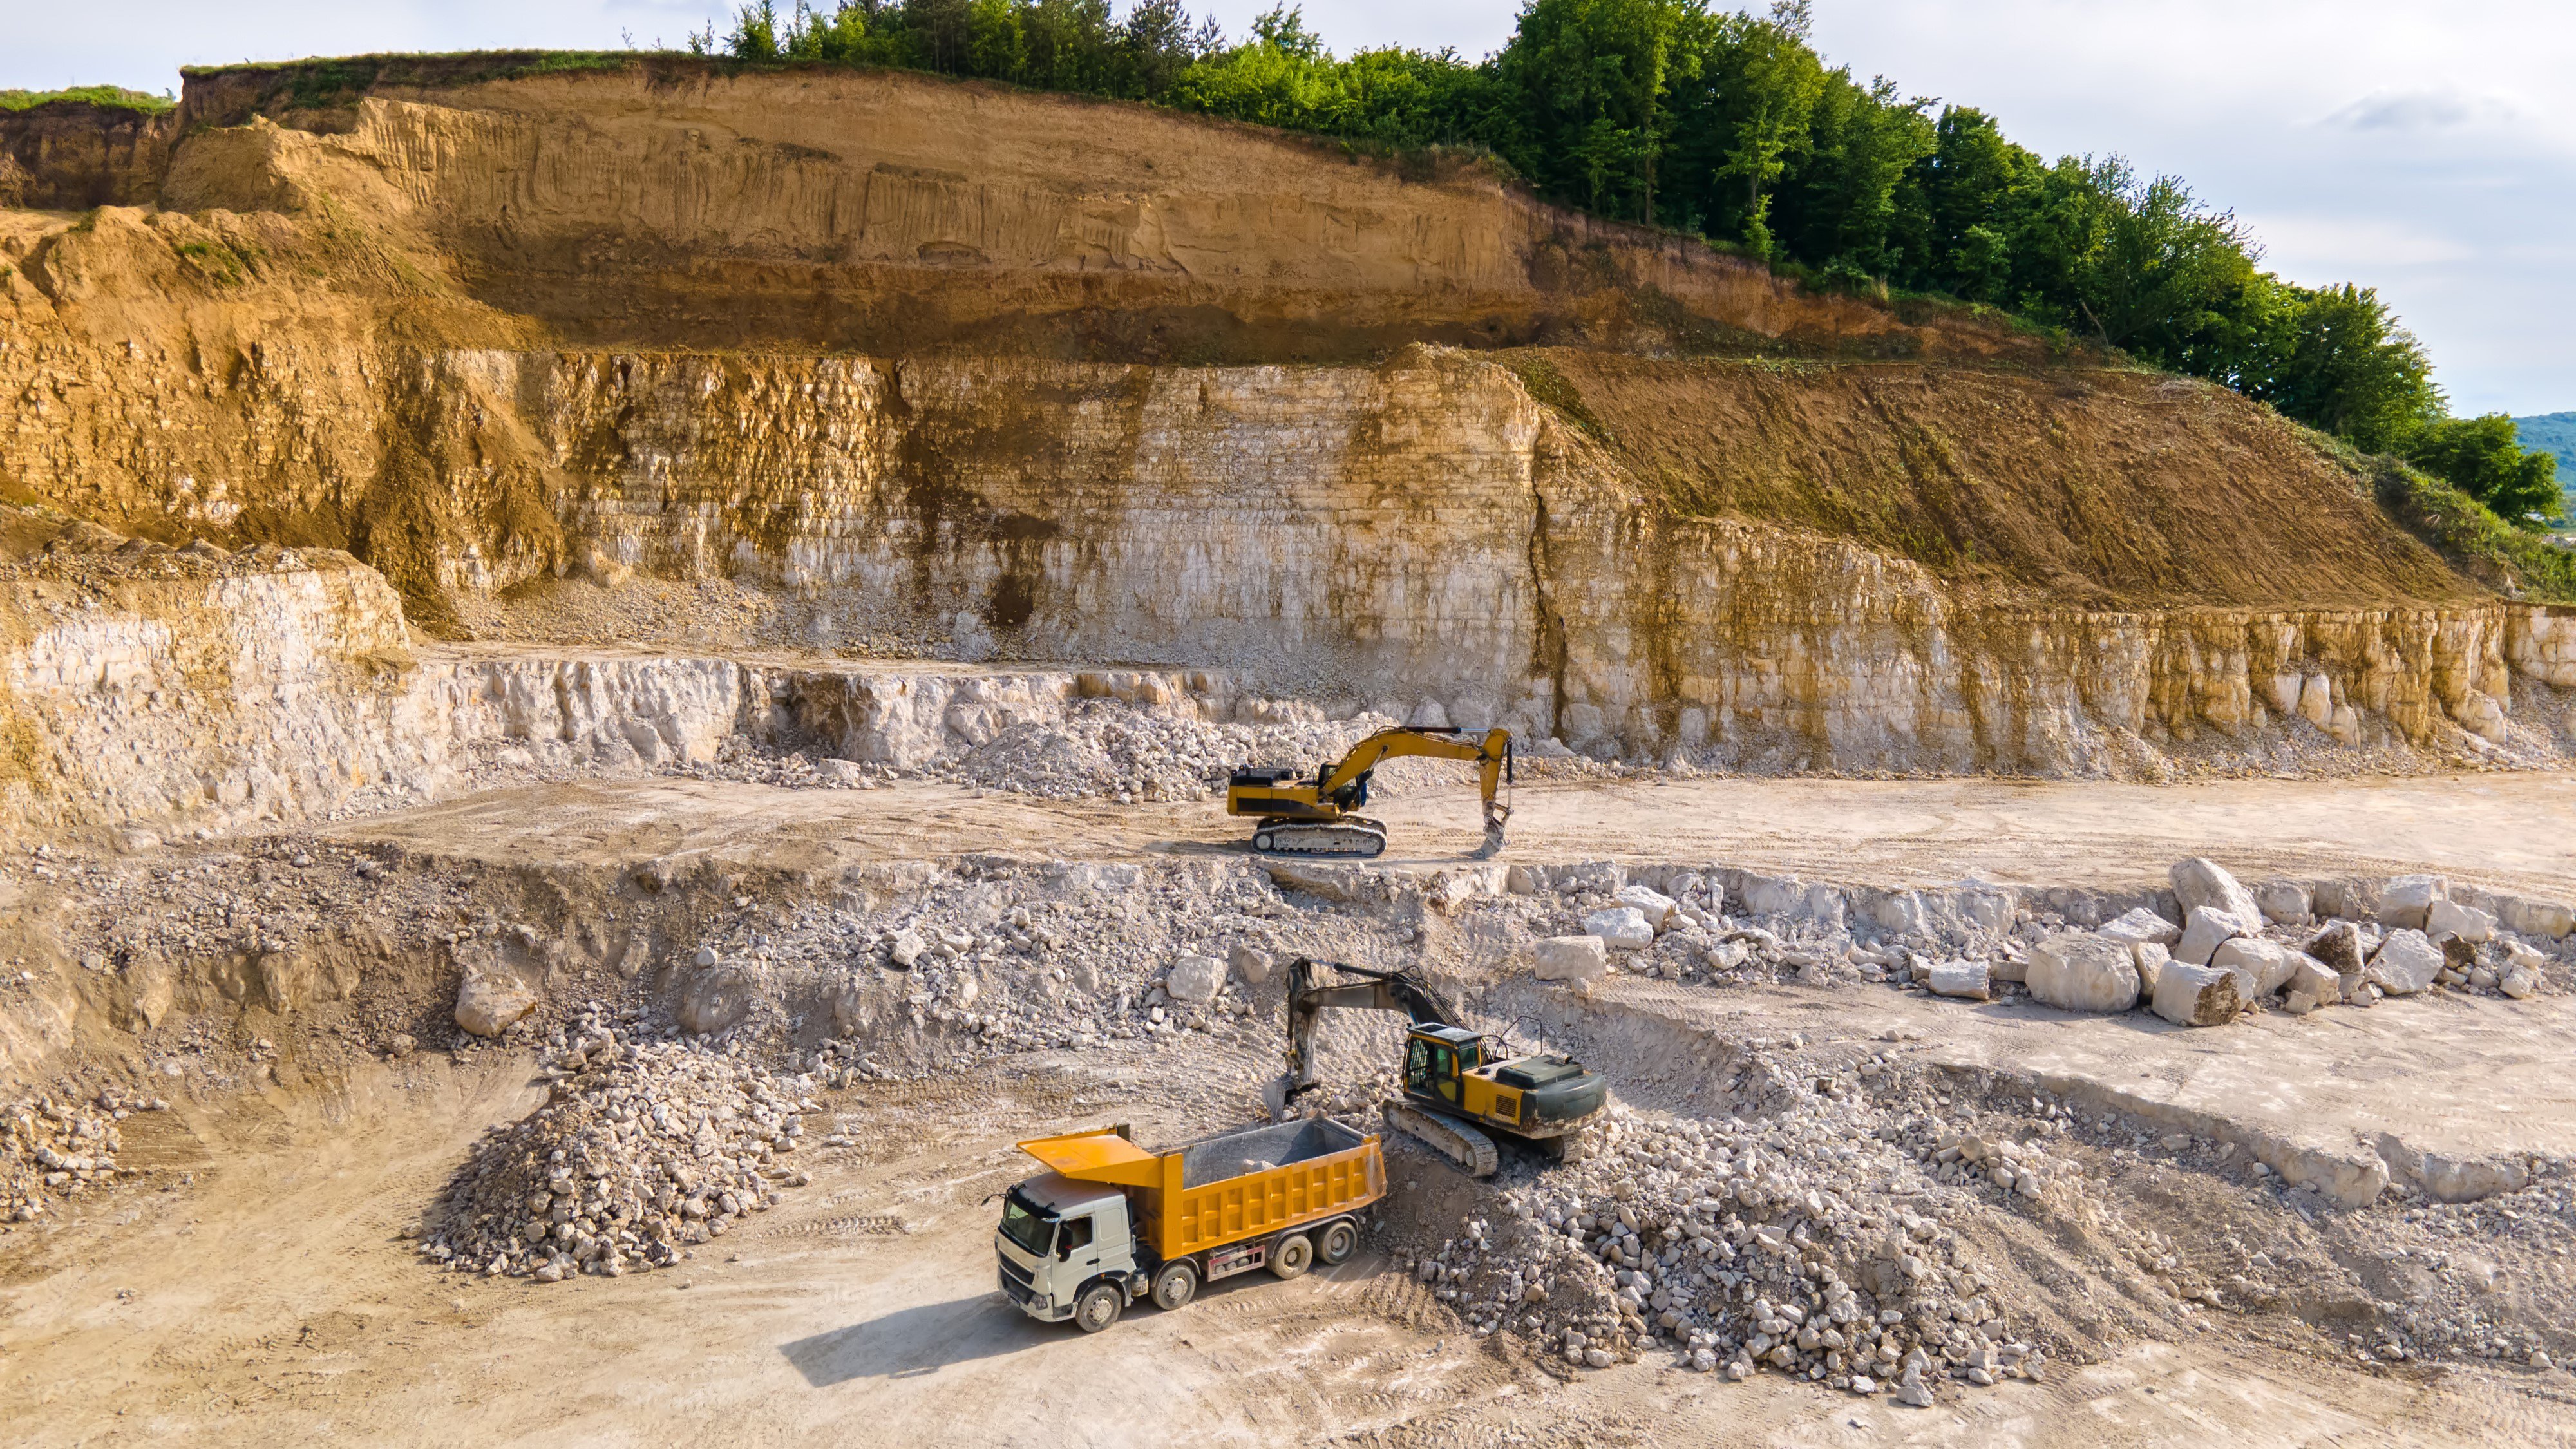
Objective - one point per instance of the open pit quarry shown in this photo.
(613, 683)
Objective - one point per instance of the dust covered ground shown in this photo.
(257, 1262)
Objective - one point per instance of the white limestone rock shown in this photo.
(490, 1002)
(2284, 902)
(2189, 995)
(2407, 962)
(2080, 971)
(2312, 984)
(2552, 920)
(1571, 958)
(1195, 979)
(2264, 966)
(2199, 883)
(2150, 959)
(1967, 980)
(1654, 905)
(2144, 927)
(1622, 928)
(2407, 900)
(2467, 923)
(1252, 964)
(2203, 933)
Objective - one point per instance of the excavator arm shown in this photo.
(1309, 996)
(1493, 754)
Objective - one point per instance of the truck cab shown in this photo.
(1058, 1237)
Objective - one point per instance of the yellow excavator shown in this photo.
(1315, 817)
(1462, 1088)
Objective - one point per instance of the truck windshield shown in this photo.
(1025, 1223)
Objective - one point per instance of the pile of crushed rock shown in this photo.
(1813, 1243)
(647, 1148)
(51, 1149)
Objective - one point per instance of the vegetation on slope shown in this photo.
(116, 98)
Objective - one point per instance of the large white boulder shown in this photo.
(1653, 904)
(490, 1002)
(1195, 979)
(2205, 884)
(2080, 971)
(2143, 926)
(2284, 902)
(1968, 980)
(1571, 958)
(2407, 962)
(2204, 933)
(2312, 984)
(1622, 928)
(2528, 917)
(2262, 967)
(2407, 899)
(2468, 923)
(2189, 995)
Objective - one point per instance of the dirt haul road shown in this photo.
(2510, 831)
(257, 1289)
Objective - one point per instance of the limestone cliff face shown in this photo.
(1425, 533)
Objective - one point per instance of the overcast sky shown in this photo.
(2428, 149)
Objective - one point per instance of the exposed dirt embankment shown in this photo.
(73, 155)
(673, 203)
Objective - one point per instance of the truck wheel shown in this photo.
(1176, 1284)
(1337, 1242)
(1293, 1257)
(1098, 1307)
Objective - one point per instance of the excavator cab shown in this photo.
(1437, 1061)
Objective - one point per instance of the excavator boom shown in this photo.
(1301, 817)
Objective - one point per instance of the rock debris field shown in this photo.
(1842, 1209)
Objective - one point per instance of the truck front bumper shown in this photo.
(1020, 1288)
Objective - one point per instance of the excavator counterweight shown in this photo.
(1318, 816)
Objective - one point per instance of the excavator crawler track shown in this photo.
(1351, 837)
(1471, 1150)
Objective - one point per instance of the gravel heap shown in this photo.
(647, 1148)
(1813, 1243)
(51, 1150)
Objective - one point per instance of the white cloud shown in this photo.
(2423, 110)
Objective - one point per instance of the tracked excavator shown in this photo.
(1462, 1088)
(1316, 817)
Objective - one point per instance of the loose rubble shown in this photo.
(52, 1150)
(645, 1149)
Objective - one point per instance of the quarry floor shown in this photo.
(2508, 830)
(264, 1296)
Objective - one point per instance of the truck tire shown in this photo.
(1175, 1284)
(1337, 1241)
(1098, 1307)
(1292, 1257)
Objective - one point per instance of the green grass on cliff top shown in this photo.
(112, 97)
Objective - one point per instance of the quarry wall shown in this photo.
(1036, 378)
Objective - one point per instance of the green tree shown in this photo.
(2483, 457)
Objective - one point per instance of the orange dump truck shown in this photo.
(1108, 1222)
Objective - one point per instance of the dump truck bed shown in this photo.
(1230, 1187)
